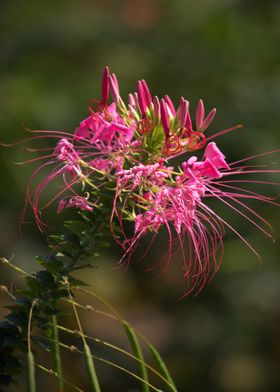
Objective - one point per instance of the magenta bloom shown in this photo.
(121, 153)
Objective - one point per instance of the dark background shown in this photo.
(224, 51)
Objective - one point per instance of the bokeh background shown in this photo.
(224, 51)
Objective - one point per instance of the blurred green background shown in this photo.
(224, 51)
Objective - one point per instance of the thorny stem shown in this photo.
(76, 350)
(7, 262)
(53, 373)
(114, 347)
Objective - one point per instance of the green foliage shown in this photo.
(39, 304)
(47, 286)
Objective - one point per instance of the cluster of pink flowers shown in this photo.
(124, 150)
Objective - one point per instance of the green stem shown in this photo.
(113, 364)
(30, 358)
(56, 354)
(52, 373)
(93, 380)
(94, 384)
(139, 354)
(171, 385)
(31, 372)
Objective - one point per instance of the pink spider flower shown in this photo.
(124, 150)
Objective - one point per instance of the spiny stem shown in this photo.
(92, 309)
(114, 347)
(53, 373)
(7, 262)
(118, 315)
(76, 350)
(56, 354)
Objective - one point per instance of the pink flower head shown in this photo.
(120, 154)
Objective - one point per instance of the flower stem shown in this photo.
(93, 380)
(139, 354)
(31, 372)
(163, 368)
(91, 369)
(30, 358)
(56, 354)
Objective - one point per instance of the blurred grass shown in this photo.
(226, 52)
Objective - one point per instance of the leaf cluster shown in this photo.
(74, 250)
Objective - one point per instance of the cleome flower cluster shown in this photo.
(118, 162)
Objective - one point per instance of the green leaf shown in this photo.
(93, 381)
(56, 239)
(163, 368)
(103, 244)
(77, 227)
(63, 258)
(40, 282)
(76, 282)
(52, 265)
(136, 347)
(60, 294)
